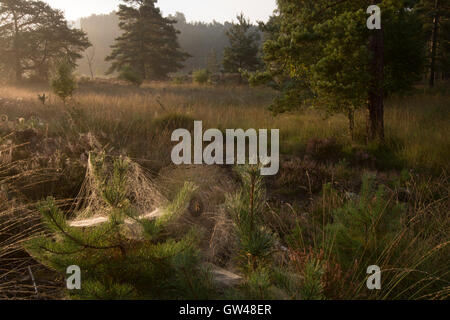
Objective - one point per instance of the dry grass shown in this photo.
(20, 276)
(127, 120)
(416, 126)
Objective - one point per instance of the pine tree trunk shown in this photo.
(434, 44)
(351, 123)
(375, 125)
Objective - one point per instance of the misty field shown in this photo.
(336, 206)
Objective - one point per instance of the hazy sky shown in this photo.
(195, 10)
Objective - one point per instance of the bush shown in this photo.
(180, 79)
(130, 75)
(202, 76)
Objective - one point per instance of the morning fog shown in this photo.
(235, 141)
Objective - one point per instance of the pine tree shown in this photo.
(115, 265)
(246, 207)
(34, 36)
(242, 54)
(63, 82)
(364, 227)
(149, 41)
(404, 50)
(322, 54)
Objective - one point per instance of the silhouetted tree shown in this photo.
(149, 41)
(63, 82)
(33, 36)
(244, 47)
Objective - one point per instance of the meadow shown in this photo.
(337, 205)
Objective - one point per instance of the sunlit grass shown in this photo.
(127, 121)
(416, 125)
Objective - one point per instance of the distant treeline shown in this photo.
(205, 42)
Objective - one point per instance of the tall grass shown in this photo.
(416, 125)
(138, 122)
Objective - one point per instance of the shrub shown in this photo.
(201, 76)
(130, 75)
(179, 79)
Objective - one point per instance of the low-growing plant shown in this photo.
(201, 76)
(130, 75)
(365, 226)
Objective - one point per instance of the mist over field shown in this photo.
(135, 148)
(203, 41)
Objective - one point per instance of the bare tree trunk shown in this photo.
(90, 60)
(375, 119)
(434, 43)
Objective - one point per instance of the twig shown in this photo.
(34, 282)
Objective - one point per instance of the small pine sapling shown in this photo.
(246, 207)
(63, 82)
(113, 266)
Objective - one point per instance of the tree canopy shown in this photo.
(33, 36)
(323, 55)
(244, 47)
(148, 43)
